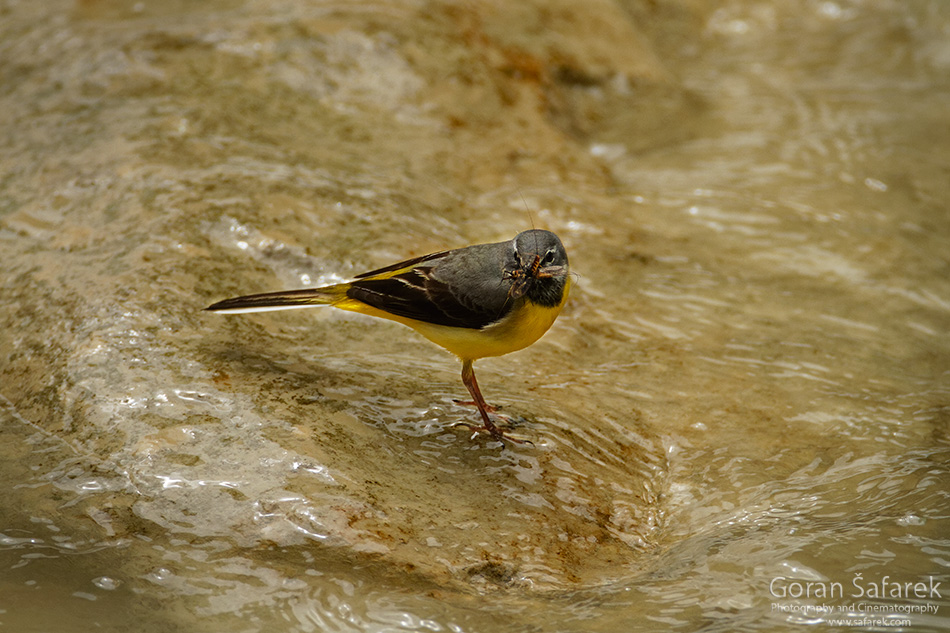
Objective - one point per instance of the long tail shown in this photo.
(285, 300)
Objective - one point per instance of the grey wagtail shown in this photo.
(477, 301)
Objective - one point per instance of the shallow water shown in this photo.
(746, 398)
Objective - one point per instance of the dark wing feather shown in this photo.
(416, 294)
(408, 264)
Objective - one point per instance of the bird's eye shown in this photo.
(548, 258)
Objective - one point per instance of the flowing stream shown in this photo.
(741, 421)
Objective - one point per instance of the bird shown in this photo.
(478, 301)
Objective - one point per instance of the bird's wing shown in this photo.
(414, 289)
(407, 265)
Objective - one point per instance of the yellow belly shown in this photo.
(519, 329)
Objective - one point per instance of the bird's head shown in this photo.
(538, 267)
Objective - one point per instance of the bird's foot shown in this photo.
(494, 431)
(471, 403)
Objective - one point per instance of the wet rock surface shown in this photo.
(172, 159)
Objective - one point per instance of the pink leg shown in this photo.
(468, 378)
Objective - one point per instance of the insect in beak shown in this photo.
(535, 265)
(550, 271)
(522, 276)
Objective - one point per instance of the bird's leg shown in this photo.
(468, 378)
(491, 408)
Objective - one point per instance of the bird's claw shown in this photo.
(495, 432)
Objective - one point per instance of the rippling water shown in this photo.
(745, 401)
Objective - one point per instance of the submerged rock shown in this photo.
(155, 163)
